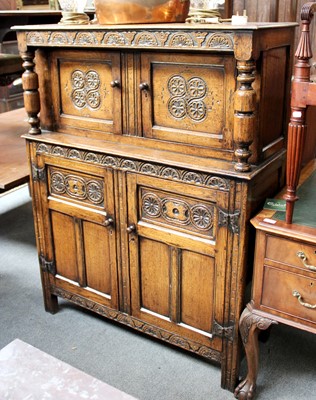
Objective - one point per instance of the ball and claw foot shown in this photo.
(245, 390)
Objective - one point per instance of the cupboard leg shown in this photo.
(249, 326)
(51, 303)
(50, 300)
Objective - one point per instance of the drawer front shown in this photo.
(291, 294)
(189, 99)
(291, 253)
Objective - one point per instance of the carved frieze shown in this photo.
(203, 40)
(134, 323)
(153, 169)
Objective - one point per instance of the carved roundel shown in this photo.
(151, 205)
(177, 107)
(201, 217)
(58, 182)
(77, 79)
(196, 109)
(93, 99)
(177, 86)
(94, 192)
(79, 98)
(92, 80)
(197, 88)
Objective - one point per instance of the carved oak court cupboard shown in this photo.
(154, 147)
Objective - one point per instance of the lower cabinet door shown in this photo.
(176, 284)
(80, 235)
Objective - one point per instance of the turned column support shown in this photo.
(31, 94)
(249, 328)
(299, 102)
(244, 115)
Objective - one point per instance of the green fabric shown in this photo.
(305, 207)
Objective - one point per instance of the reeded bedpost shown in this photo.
(299, 103)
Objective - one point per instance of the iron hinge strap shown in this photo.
(38, 174)
(231, 220)
(223, 331)
(47, 266)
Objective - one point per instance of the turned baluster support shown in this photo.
(244, 116)
(299, 103)
(31, 94)
(249, 327)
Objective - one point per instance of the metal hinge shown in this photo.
(38, 174)
(229, 220)
(47, 266)
(226, 332)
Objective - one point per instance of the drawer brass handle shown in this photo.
(299, 298)
(302, 256)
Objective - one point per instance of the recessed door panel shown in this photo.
(155, 277)
(87, 92)
(197, 295)
(64, 237)
(97, 263)
(188, 98)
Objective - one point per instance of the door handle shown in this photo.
(109, 221)
(131, 228)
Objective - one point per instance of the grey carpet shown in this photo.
(136, 364)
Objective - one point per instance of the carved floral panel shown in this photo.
(78, 187)
(177, 212)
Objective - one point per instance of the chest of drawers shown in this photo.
(284, 284)
(154, 147)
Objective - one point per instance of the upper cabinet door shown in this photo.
(86, 92)
(188, 99)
